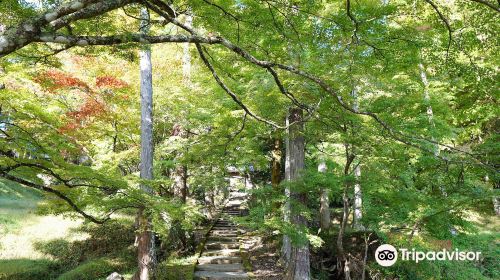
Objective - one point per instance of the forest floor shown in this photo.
(264, 258)
(41, 246)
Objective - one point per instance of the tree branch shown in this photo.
(122, 39)
(14, 38)
(57, 193)
(353, 19)
(90, 11)
(484, 2)
(446, 23)
(228, 90)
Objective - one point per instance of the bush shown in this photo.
(24, 269)
(109, 240)
(108, 249)
(94, 269)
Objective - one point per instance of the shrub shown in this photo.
(24, 269)
(94, 269)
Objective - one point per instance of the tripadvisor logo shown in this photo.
(387, 255)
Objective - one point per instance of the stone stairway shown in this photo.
(220, 258)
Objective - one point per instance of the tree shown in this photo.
(358, 194)
(145, 236)
(297, 254)
(324, 210)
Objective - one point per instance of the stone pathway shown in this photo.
(220, 259)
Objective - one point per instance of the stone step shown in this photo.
(215, 275)
(224, 252)
(222, 245)
(222, 239)
(228, 228)
(233, 267)
(219, 260)
(225, 229)
(232, 205)
(223, 234)
(225, 224)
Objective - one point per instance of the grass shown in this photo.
(49, 247)
(16, 204)
(26, 269)
(21, 227)
(95, 269)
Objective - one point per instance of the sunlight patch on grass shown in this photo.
(19, 243)
(488, 224)
(20, 226)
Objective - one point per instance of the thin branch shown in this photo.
(228, 90)
(446, 23)
(88, 12)
(284, 91)
(150, 21)
(66, 182)
(57, 193)
(484, 2)
(233, 135)
(353, 19)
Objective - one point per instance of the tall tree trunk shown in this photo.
(180, 182)
(276, 156)
(145, 238)
(358, 200)
(324, 209)
(180, 173)
(495, 199)
(358, 194)
(298, 266)
(427, 100)
(430, 113)
(186, 55)
(343, 264)
(276, 163)
(496, 205)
